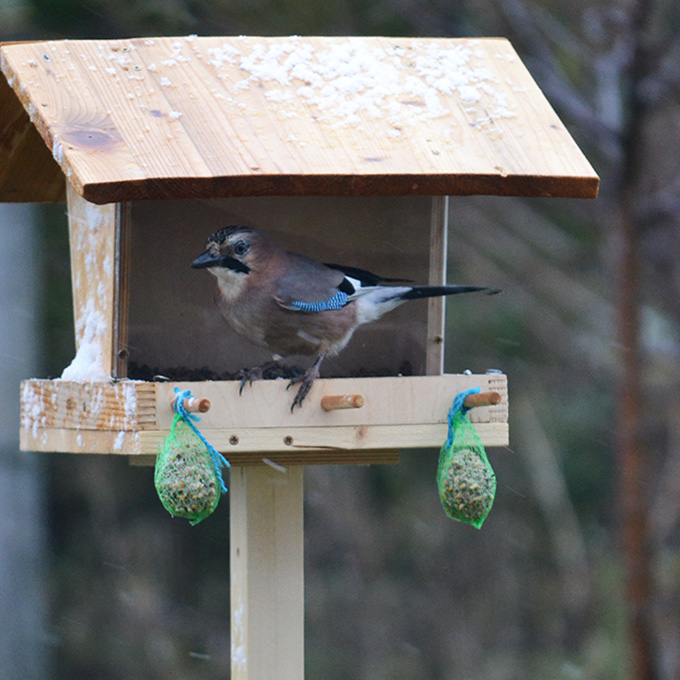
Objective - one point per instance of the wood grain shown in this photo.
(406, 401)
(266, 564)
(140, 405)
(352, 442)
(206, 117)
(132, 417)
(436, 307)
(63, 404)
(310, 446)
(95, 248)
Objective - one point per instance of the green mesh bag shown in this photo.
(187, 475)
(466, 480)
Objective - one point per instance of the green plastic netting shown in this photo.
(466, 480)
(186, 477)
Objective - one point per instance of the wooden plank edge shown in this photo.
(339, 185)
(295, 458)
(348, 441)
(133, 406)
(341, 437)
(270, 401)
(107, 406)
(498, 382)
(62, 440)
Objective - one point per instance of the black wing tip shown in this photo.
(364, 275)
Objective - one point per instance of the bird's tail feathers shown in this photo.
(416, 292)
(373, 302)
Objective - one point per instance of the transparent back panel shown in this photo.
(175, 323)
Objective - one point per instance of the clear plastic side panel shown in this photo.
(176, 325)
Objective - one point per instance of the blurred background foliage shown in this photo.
(393, 588)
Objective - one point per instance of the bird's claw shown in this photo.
(250, 375)
(306, 381)
(305, 385)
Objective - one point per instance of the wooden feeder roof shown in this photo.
(244, 116)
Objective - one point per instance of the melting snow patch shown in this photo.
(351, 80)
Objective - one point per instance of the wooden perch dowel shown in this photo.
(482, 399)
(194, 404)
(333, 402)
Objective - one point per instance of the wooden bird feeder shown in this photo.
(345, 149)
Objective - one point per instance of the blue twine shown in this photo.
(458, 406)
(218, 459)
(338, 301)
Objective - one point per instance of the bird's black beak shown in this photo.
(207, 259)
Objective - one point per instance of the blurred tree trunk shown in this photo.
(634, 467)
(634, 479)
(22, 524)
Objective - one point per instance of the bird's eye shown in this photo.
(241, 248)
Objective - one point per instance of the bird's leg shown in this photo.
(306, 381)
(249, 375)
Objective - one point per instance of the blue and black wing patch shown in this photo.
(338, 301)
(340, 292)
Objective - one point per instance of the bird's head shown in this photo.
(239, 257)
(228, 251)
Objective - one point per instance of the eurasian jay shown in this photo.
(291, 304)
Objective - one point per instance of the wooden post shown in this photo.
(434, 358)
(99, 242)
(267, 584)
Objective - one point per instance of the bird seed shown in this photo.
(468, 488)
